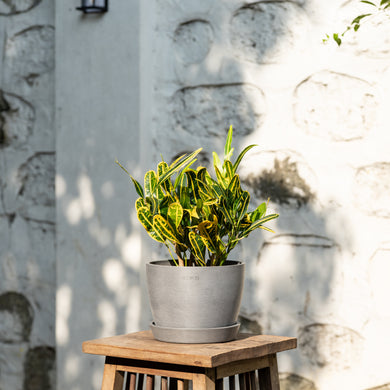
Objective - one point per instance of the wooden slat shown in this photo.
(130, 381)
(143, 346)
(219, 384)
(242, 366)
(149, 382)
(164, 383)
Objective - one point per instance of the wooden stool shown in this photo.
(251, 357)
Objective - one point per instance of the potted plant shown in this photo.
(195, 295)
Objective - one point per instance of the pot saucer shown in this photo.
(195, 335)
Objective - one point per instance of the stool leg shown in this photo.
(268, 376)
(203, 381)
(219, 384)
(112, 379)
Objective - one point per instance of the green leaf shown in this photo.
(241, 155)
(228, 170)
(137, 186)
(368, 2)
(153, 204)
(162, 167)
(337, 39)
(259, 212)
(178, 164)
(217, 161)
(164, 228)
(207, 231)
(139, 203)
(145, 217)
(221, 179)
(226, 211)
(197, 246)
(175, 214)
(359, 18)
(191, 183)
(228, 152)
(150, 183)
(245, 198)
(235, 185)
(182, 172)
(258, 224)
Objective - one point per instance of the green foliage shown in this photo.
(382, 7)
(199, 218)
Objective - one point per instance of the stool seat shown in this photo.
(204, 364)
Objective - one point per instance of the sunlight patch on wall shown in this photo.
(64, 307)
(60, 186)
(113, 274)
(72, 366)
(108, 318)
(84, 205)
(133, 311)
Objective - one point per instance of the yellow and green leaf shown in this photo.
(175, 213)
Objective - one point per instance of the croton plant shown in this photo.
(198, 217)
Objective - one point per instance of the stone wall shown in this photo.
(168, 77)
(27, 212)
(319, 116)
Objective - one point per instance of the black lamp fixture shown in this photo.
(93, 6)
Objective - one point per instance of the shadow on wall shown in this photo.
(290, 276)
(25, 366)
(294, 278)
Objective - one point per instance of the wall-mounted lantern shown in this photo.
(93, 6)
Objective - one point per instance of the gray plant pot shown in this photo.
(195, 304)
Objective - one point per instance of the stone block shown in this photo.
(372, 189)
(263, 32)
(335, 106)
(30, 53)
(16, 318)
(193, 40)
(13, 7)
(39, 369)
(379, 271)
(16, 120)
(207, 110)
(36, 193)
(295, 382)
(330, 345)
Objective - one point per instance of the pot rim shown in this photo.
(168, 262)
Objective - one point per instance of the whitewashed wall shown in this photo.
(170, 76)
(27, 200)
(320, 116)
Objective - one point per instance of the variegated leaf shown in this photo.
(164, 228)
(197, 246)
(175, 214)
(150, 183)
